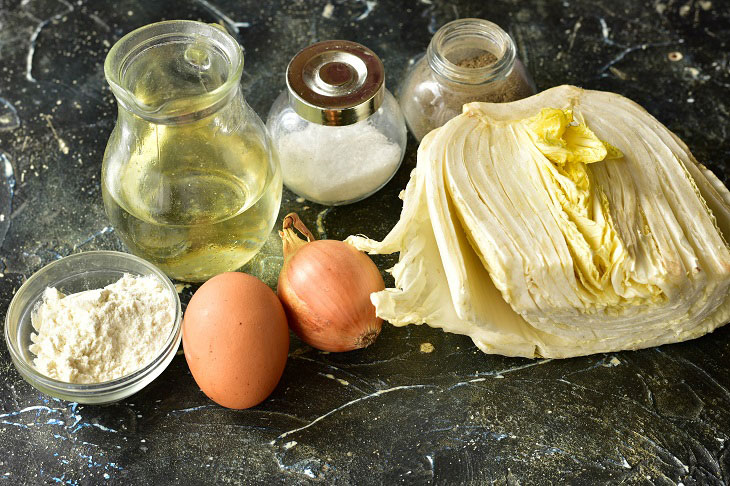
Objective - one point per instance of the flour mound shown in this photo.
(101, 334)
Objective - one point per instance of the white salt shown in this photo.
(332, 165)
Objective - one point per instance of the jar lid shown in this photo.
(335, 82)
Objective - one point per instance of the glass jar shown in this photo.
(339, 132)
(467, 60)
(189, 179)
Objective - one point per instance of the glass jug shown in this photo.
(190, 179)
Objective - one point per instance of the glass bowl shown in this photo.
(76, 273)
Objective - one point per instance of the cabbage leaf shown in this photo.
(568, 223)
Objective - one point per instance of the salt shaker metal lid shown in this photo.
(335, 82)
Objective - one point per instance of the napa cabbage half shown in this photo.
(568, 223)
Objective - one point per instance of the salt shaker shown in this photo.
(339, 132)
(467, 60)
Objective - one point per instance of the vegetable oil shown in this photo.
(190, 181)
(190, 219)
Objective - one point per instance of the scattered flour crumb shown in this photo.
(427, 348)
(675, 56)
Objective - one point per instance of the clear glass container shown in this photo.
(339, 132)
(190, 179)
(467, 60)
(77, 273)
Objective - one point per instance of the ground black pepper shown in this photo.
(482, 60)
(433, 99)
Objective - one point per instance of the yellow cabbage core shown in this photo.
(569, 146)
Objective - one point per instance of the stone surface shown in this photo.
(393, 413)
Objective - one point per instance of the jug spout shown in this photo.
(174, 71)
(190, 179)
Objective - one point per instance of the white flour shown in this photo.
(101, 334)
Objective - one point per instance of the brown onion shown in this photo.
(325, 288)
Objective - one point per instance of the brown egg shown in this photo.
(236, 339)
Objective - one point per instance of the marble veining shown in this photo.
(419, 406)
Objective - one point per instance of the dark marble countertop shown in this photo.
(390, 413)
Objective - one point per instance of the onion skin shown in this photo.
(325, 289)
